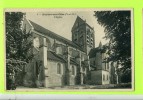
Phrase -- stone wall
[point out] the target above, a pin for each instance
(73, 75)
(106, 79)
(31, 79)
(52, 77)
(99, 77)
(96, 77)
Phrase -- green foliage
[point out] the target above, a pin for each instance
(117, 26)
(16, 45)
(16, 38)
(125, 76)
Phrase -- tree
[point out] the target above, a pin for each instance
(16, 38)
(16, 43)
(117, 26)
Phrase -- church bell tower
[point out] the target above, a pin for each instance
(83, 35)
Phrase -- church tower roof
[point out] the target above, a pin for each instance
(100, 45)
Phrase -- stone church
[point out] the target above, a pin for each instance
(58, 61)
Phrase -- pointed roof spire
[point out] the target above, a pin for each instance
(80, 18)
(100, 45)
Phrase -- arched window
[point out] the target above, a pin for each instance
(107, 77)
(82, 58)
(59, 50)
(58, 68)
(48, 44)
(103, 77)
(37, 69)
(36, 42)
(73, 70)
(94, 63)
(107, 66)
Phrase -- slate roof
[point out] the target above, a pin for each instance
(73, 61)
(83, 21)
(93, 52)
(53, 35)
(53, 56)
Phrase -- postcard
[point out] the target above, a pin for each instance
(69, 49)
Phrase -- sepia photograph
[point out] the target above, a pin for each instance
(69, 49)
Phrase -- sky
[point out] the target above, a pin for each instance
(61, 22)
